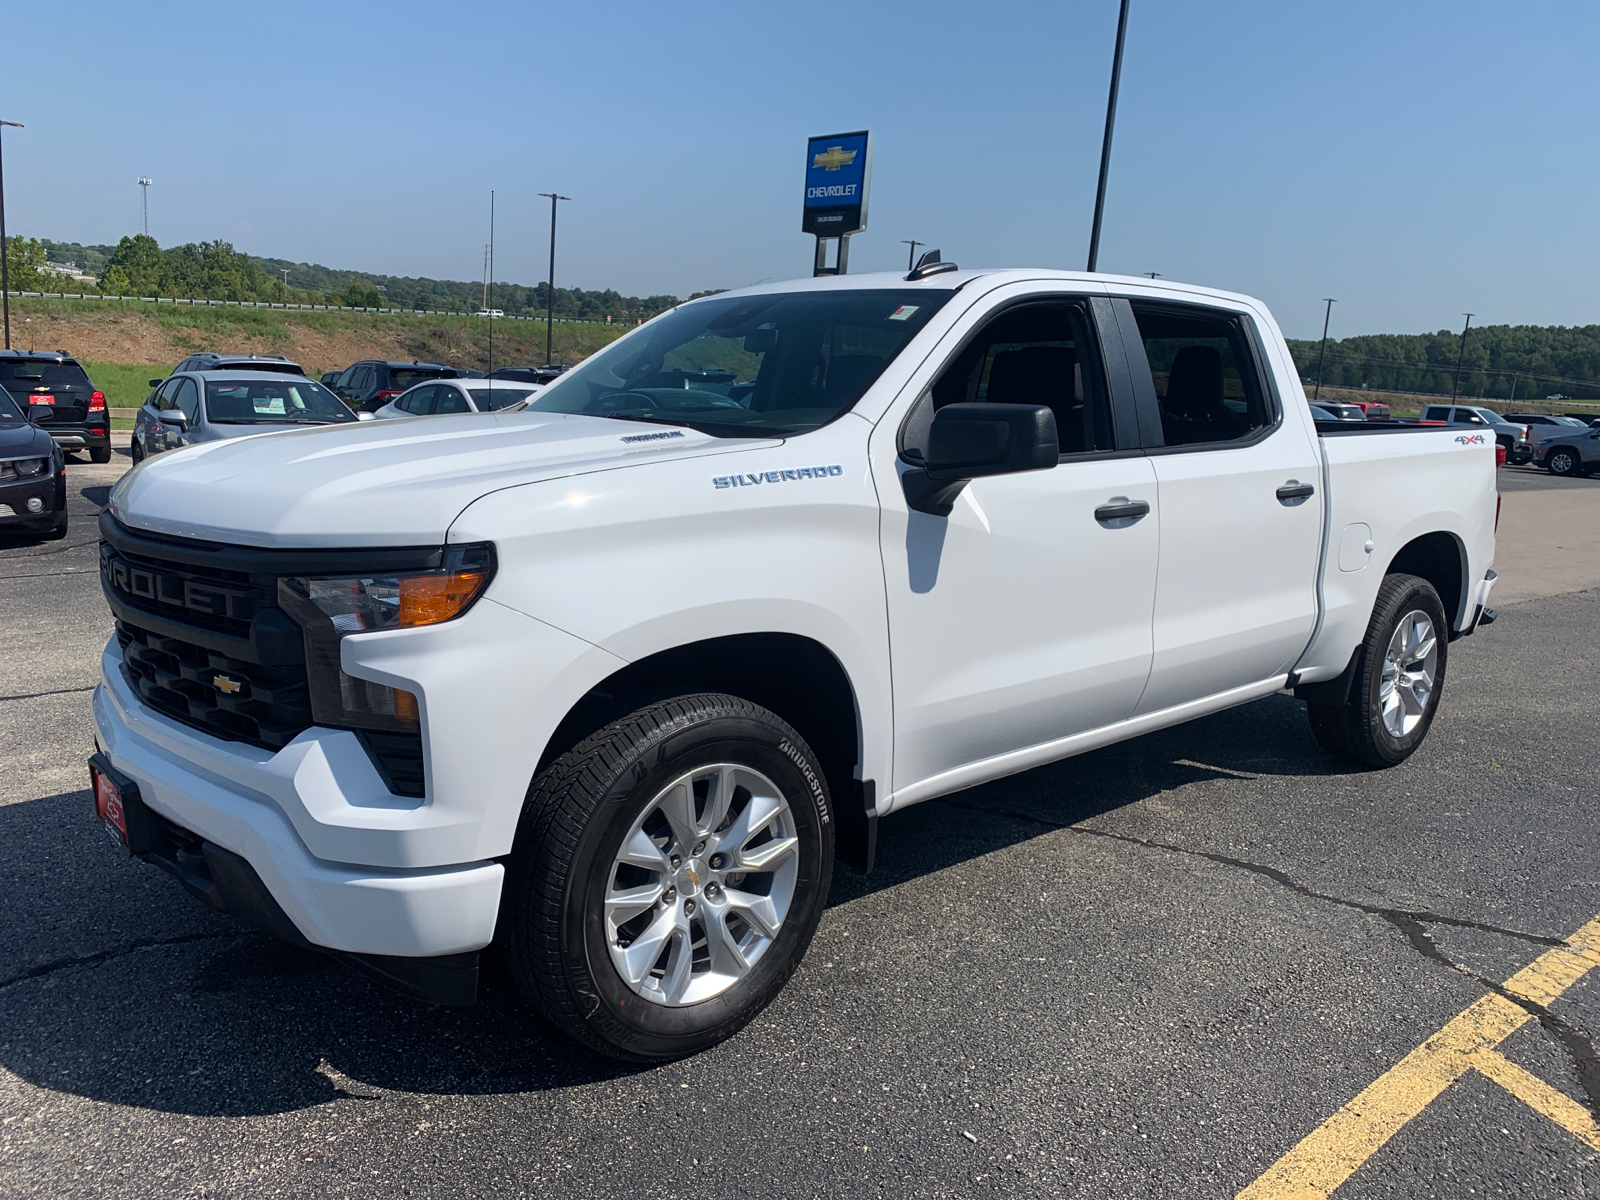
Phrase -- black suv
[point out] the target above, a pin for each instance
(239, 362)
(78, 418)
(368, 386)
(541, 375)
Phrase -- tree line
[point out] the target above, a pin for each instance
(138, 266)
(1500, 362)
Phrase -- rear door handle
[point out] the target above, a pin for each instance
(1294, 490)
(1121, 510)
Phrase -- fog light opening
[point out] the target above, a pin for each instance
(35, 505)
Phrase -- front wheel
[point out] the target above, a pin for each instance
(136, 451)
(1399, 675)
(667, 875)
(1562, 461)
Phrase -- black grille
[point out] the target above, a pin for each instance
(207, 644)
(223, 695)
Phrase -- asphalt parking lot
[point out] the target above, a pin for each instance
(1205, 961)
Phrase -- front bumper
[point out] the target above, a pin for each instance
(231, 796)
(14, 497)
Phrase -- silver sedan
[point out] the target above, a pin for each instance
(435, 396)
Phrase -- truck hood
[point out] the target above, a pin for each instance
(379, 483)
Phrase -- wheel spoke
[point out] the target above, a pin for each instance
(677, 805)
(758, 911)
(757, 815)
(726, 957)
(624, 906)
(719, 798)
(767, 855)
(679, 973)
(640, 851)
(646, 949)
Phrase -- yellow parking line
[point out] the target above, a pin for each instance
(1333, 1151)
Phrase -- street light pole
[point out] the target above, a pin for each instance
(1105, 147)
(5, 246)
(1322, 355)
(911, 259)
(1455, 388)
(550, 298)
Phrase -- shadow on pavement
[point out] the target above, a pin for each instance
(116, 986)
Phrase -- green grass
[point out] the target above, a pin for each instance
(125, 386)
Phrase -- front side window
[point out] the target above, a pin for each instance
(1206, 383)
(187, 400)
(449, 400)
(273, 402)
(164, 397)
(417, 401)
(8, 407)
(773, 365)
(1038, 352)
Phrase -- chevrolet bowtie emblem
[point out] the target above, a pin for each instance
(833, 158)
(227, 686)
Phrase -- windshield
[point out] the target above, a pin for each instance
(487, 399)
(270, 402)
(8, 409)
(1488, 414)
(774, 365)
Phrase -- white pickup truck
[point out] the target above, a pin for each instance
(609, 683)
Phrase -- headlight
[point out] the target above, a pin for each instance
(329, 608)
(23, 468)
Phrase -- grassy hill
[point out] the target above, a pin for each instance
(124, 340)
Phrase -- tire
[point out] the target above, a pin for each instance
(568, 950)
(1361, 731)
(1563, 461)
(136, 451)
(100, 454)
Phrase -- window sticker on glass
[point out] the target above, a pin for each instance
(268, 404)
(904, 312)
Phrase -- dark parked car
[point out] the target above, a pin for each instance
(368, 386)
(210, 406)
(33, 476)
(74, 413)
(274, 363)
(1571, 454)
(540, 375)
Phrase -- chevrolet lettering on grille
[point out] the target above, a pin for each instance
(160, 587)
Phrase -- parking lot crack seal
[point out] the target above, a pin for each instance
(95, 960)
(57, 692)
(1413, 924)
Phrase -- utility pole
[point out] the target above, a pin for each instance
(285, 273)
(1105, 147)
(550, 298)
(1455, 388)
(911, 259)
(5, 246)
(485, 301)
(144, 204)
(1322, 355)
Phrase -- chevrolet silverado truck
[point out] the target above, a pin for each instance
(609, 684)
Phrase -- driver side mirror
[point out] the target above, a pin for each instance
(364, 415)
(155, 383)
(39, 412)
(173, 416)
(970, 441)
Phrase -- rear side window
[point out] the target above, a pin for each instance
(22, 376)
(417, 401)
(450, 401)
(1205, 378)
(1435, 413)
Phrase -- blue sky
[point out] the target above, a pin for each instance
(1412, 159)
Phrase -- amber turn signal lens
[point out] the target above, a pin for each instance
(429, 599)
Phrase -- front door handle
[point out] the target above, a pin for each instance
(1121, 510)
(1294, 490)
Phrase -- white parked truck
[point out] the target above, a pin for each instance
(609, 683)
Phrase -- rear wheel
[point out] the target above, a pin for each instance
(136, 451)
(1399, 674)
(100, 454)
(667, 876)
(1562, 461)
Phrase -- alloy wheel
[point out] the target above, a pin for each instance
(1410, 666)
(701, 884)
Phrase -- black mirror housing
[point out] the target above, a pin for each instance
(155, 383)
(40, 412)
(970, 441)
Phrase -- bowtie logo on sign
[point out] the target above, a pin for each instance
(834, 157)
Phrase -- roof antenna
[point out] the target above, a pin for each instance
(930, 264)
